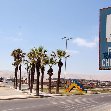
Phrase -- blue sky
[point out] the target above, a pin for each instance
(31, 23)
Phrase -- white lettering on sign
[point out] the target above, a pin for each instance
(106, 62)
(108, 28)
(103, 62)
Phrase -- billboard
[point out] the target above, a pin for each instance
(105, 39)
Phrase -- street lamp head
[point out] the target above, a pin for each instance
(68, 38)
(64, 38)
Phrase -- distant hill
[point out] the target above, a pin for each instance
(6, 74)
(102, 77)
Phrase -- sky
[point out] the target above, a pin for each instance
(31, 23)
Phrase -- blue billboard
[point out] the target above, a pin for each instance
(105, 39)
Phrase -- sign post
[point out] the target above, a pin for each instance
(105, 39)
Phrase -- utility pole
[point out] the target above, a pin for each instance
(66, 45)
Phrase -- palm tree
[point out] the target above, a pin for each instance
(42, 77)
(43, 63)
(15, 78)
(51, 61)
(18, 58)
(14, 54)
(60, 54)
(28, 69)
(50, 73)
(37, 55)
(30, 56)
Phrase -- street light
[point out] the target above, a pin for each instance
(66, 48)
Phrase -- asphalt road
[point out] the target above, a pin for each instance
(64, 103)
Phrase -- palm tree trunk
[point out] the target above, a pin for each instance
(16, 77)
(20, 77)
(42, 77)
(14, 82)
(58, 81)
(32, 80)
(50, 83)
(31, 85)
(37, 82)
(29, 79)
(32, 77)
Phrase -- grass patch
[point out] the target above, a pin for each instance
(63, 92)
(100, 91)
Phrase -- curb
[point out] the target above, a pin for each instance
(26, 97)
(17, 97)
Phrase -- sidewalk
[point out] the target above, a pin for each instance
(8, 93)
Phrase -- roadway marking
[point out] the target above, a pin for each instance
(85, 100)
(78, 101)
(62, 102)
(82, 105)
(17, 108)
(53, 102)
(73, 103)
(92, 101)
(101, 107)
(25, 107)
(69, 101)
(8, 110)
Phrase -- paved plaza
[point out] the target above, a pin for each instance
(8, 92)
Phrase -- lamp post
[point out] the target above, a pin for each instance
(66, 48)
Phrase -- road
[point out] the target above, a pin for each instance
(97, 102)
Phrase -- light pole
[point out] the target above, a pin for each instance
(66, 48)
